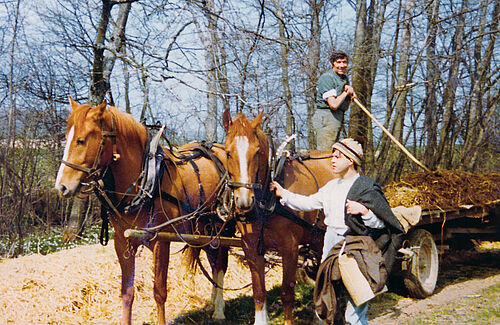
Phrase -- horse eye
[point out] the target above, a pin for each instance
(80, 141)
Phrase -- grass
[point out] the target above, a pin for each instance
(481, 308)
(241, 310)
(45, 241)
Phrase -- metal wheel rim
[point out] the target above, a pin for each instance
(426, 263)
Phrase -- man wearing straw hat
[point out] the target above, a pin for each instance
(344, 214)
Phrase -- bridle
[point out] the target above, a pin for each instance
(233, 185)
(95, 176)
(260, 185)
(95, 170)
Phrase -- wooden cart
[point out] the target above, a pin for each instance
(453, 228)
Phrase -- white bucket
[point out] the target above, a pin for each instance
(354, 281)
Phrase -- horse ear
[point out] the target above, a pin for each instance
(226, 119)
(258, 120)
(101, 108)
(73, 104)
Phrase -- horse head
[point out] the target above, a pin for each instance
(247, 152)
(90, 145)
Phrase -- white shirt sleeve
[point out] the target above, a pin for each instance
(330, 93)
(302, 202)
(372, 221)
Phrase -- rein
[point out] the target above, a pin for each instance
(204, 148)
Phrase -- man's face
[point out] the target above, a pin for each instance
(340, 163)
(340, 66)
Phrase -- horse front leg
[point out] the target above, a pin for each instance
(289, 256)
(161, 254)
(126, 257)
(250, 236)
(218, 261)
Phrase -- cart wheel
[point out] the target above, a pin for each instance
(421, 276)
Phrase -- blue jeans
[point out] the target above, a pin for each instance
(354, 315)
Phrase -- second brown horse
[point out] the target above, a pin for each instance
(248, 153)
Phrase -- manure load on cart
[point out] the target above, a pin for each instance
(444, 189)
(449, 206)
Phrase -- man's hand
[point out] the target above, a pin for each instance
(353, 207)
(275, 186)
(349, 91)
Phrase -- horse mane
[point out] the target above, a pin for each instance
(126, 124)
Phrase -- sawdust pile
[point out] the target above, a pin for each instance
(444, 189)
(82, 286)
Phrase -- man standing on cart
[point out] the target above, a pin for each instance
(334, 94)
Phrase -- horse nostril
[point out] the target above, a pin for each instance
(62, 188)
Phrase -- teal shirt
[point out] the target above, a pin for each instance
(328, 81)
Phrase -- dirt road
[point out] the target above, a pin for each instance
(468, 292)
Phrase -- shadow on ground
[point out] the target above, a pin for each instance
(455, 267)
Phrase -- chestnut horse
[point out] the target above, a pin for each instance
(103, 138)
(248, 168)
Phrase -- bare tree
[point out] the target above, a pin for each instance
(105, 55)
(369, 24)
(287, 94)
(312, 64)
(104, 62)
(447, 133)
(480, 115)
(431, 87)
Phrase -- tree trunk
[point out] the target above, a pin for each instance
(103, 64)
(6, 196)
(369, 23)
(222, 73)
(393, 159)
(446, 136)
(287, 94)
(477, 119)
(76, 218)
(312, 67)
(211, 43)
(431, 87)
(402, 80)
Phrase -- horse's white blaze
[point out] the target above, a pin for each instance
(69, 139)
(218, 297)
(242, 146)
(261, 316)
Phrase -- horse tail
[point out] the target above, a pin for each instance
(191, 258)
